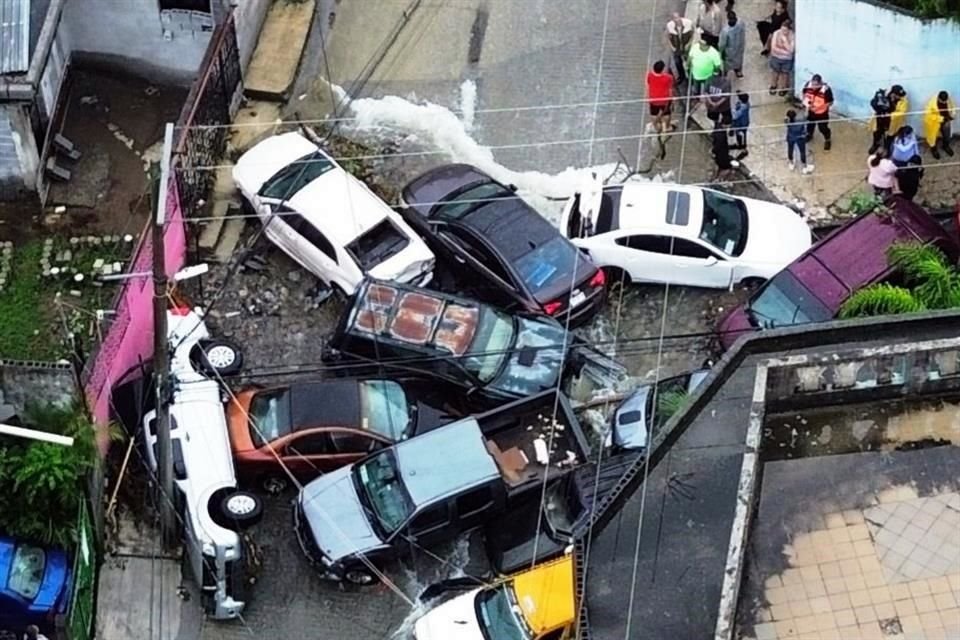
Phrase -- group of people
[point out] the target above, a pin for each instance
(703, 53)
(894, 161)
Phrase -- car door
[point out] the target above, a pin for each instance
(309, 453)
(664, 258)
(306, 244)
(350, 445)
(474, 507)
(431, 525)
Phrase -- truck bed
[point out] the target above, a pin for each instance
(512, 432)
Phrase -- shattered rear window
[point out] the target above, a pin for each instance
(377, 244)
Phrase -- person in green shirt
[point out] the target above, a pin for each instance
(704, 61)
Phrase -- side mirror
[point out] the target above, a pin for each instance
(512, 187)
(711, 261)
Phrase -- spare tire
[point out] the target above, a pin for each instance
(220, 357)
(240, 509)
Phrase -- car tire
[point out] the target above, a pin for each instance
(615, 276)
(275, 484)
(220, 357)
(360, 576)
(241, 509)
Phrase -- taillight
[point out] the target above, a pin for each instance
(552, 307)
(598, 279)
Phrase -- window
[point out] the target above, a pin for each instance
(785, 301)
(269, 416)
(474, 502)
(724, 222)
(678, 208)
(348, 442)
(309, 444)
(667, 246)
(284, 184)
(479, 253)
(377, 244)
(383, 489)
(313, 235)
(470, 198)
(434, 518)
(26, 571)
(385, 409)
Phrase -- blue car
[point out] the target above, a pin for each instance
(33, 585)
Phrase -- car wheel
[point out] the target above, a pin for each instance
(221, 357)
(241, 509)
(275, 484)
(360, 576)
(616, 276)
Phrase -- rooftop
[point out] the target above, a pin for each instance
(673, 555)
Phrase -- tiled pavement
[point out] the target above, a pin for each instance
(888, 572)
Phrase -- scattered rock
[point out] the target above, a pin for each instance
(294, 276)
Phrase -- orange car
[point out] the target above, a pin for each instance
(315, 427)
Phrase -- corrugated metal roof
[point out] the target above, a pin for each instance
(14, 36)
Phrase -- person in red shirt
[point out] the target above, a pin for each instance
(659, 95)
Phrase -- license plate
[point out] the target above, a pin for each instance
(577, 298)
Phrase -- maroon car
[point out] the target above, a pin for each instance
(815, 285)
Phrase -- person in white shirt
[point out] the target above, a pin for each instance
(33, 633)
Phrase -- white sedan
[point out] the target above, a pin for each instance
(326, 219)
(685, 235)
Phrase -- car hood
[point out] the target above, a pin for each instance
(777, 236)
(263, 160)
(337, 518)
(455, 618)
(424, 192)
(521, 378)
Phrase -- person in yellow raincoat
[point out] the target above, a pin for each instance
(898, 117)
(937, 120)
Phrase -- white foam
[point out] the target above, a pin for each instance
(438, 128)
(468, 103)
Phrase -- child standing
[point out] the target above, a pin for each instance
(797, 139)
(741, 122)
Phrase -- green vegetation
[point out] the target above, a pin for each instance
(934, 283)
(25, 322)
(930, 9)
(861, 203)
(42, 484)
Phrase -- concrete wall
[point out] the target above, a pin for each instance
(132, 35)
(21, 383)
(858, 47)
(19, 155)
(249, 16)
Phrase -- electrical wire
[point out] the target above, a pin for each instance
(513, 109)
(704, 184)
(528, 145)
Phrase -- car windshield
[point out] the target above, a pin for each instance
(26, 572)
(385, 408)
(288, 181)
(548, 265)
(383, 488)
(783, 302)
(499, 615)
(270, 416)
(490, 346)
(458, 205)
(377, 244)
(724, 222)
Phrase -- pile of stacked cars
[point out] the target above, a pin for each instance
(444, 410)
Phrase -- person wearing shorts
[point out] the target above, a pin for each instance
(660, 94)
(782, 47)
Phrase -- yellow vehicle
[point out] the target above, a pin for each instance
(537, 604)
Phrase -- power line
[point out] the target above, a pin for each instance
(512, 109)
(704, 184)
(528, 145)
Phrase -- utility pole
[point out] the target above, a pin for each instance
(161, 350)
